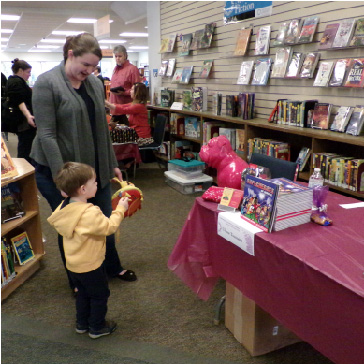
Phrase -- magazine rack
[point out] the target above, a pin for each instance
(30, 223)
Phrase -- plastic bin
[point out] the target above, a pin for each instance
(188, 186)
(188, 170)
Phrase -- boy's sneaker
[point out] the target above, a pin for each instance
(81, 329)
(110, 326)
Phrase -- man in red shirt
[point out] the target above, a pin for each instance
(125, 74)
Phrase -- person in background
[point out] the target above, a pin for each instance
(68, 103)
(137, 111)
(98, 74)
(20, 96)
(84, 229)
(4, 82)
(126, 75)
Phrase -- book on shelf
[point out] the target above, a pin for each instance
(321, 115)
(177, 76)
(210, 129)
(328, 36)
(308, 29)
(246, 104)
(163, 69)
(230, 134)
(171, 41)
(281, 34)
(206, 68)
(303, 157)
(242, 41)
(22, 248)
(192, 127)
(173, 122)
(7, 262)
(232, 104)
(186, 74)
(281, 60)
(186, 42)
(240, 139)
(199, 98)
(356, 122)
(339, 72)
(324, 73)
(358, 36)
(8, 169)
(196, 40)
(342, 118)
(261, 71)
(355, 76)
(259, 202)
(230, 199)
(245, 73)
(262, 40)
(216, 103)
(336, 170)
(357, 175)
(157, 95)
(294, 65)
(170, 67)
(309, 65)
(207, 35)
(344, 33)
(187, 100)
(293, 31)
(167, 97)
(11, 203)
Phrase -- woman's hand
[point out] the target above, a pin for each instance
(30, 120)
(109, 105)
(118, 174)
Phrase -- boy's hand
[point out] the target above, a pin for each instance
(124, 202)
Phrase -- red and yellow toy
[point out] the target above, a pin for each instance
(129, 190)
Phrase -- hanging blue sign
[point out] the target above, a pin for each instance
(236, 11)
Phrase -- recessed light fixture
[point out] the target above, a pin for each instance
(46, 46)
(134, 34)
(67, 32)
(49, 40)
(39, 51)
(81, 20)
(112, 41)
(6, 31)
(10, 17)
(139, 47)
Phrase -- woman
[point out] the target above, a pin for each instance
(20, 97)
(68, 103)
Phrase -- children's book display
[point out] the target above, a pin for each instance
(192, 127)
(167, 44)
(356, 122)
(308, 29)
(245, 73)
(321, 115)
(294, 65)
(328, 36)
(206, 68)
(339, 72)
(167, 98)
(187, 100)
(303, 157)
(309, 65)
(170, 67)
(186, 43)
(22, 248)
(11, 203)
(281, 34)
(342, 118)
(262, 40)
(230, 200)
(355, 76)
(196, 40)
(186, 74)
(281, 61)
(344, 33)
(207, 35)
(358, 37)
(199, 98)
(293, 31)
(177, 76)
(242, 41)
(259, 202)
(324, 73)
(261, 71)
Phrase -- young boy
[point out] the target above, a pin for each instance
(84, 229)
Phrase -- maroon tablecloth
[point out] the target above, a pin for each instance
(309, 277)
(127, 150)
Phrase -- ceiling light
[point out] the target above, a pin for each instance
(134, 34)
(6, 31)
(112, 41)
(39, 51)
(81, 20)
(10, 17)
(105, 47)
(111, 21)
(5, 39)
(53, 40)
(145, 27)
(47, 46)
(139, 47)
(67, 32)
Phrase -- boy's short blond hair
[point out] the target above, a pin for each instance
(72, 176)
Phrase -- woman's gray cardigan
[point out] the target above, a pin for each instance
(63, 127)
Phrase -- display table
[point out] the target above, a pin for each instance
(127, 150)
(310, 278)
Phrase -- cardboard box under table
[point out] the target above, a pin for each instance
(253, 327)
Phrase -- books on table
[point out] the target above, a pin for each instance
(321, 115)
(206, 68)
(308, 29)
(282, 57)
(261, 71)
(294, 65)
(262, 40)
(339, 72)
(186, 42)
(242, 41)
(355, 76)
(356, 122)
(328, 36)
(186, 74)
(342, 118)
(230, 200)
(344, 33)
(358, 36)
(309, 65)
(245, 73)
(324, 73)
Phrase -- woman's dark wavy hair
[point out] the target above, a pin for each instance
(81, 44)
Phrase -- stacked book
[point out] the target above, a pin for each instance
(293, 205)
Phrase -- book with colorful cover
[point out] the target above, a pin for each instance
(309, 65)
(358, 36)
(171, 41)
(308, 29)
(293, 31)
(342, 118)
(356, 122)
(245, 73)
(186, 74)
(177, 76)
(230, 200)
(199, 98)
(339, 72)
(281, 61)
(206, 39)
(281, 34)
(196, 40)
(170, 67)
(187, 100)
(11, 203)
(328, 36)
(163, 69)
(164, 45)
(186, 42)
(321, 115)
(240, 138)
(22, 248)
(303, 157)
(324, 73)
(8, 169)
(262, 40)
(344, 33)
(242, 41)
(355, 76)
(192, 127)
(206, 68)
(261, 71)
(294, 65)
(259, 201)
(216, 103)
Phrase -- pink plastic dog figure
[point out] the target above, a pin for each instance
(219, 154)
